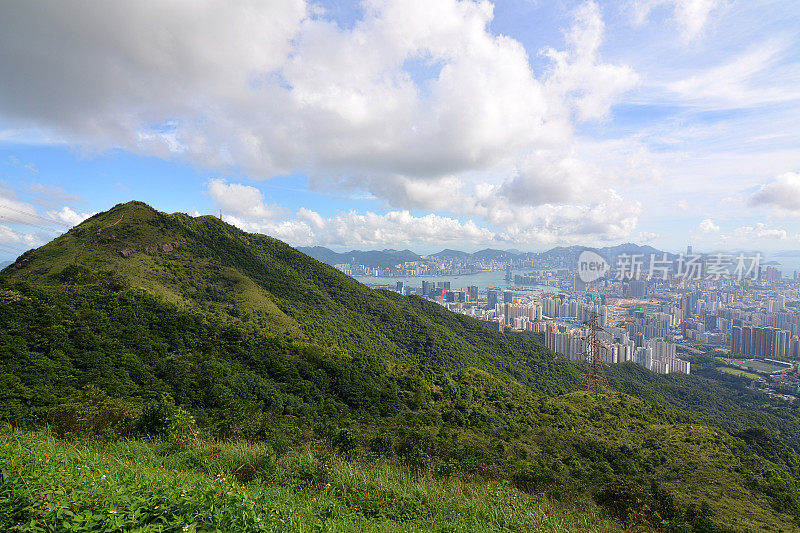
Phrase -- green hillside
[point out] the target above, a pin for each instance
(260, 281)
(138, 324)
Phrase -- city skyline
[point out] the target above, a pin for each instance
(421, 125)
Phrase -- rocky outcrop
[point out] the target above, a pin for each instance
(163, 247)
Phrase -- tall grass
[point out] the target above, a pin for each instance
(53, 485)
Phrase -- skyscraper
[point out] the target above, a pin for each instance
(426, 288)
(472, 292)
(508, 297)
(747, 340)
(491, 299)
(736, 340)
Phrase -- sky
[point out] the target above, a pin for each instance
(418, 124)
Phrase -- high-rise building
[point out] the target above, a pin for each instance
(781, 344)
(426, 288)
(758, 342)
(472, 292)
(736, 340)
(508, 297)
(637, 288)
(491, 299)
(794, 347)
(747, 340)
(400, 287)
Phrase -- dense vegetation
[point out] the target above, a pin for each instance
(715, 397)
(188, 487)
(236, 337)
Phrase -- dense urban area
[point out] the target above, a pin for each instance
(655, 309)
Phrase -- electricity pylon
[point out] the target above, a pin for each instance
(594, 376)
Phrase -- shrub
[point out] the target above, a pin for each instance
(531, 479)
(164, 420)
(381, 445)
(346, 441)
(92, 412)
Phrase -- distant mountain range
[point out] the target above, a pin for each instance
(374, 258)
(389, 258)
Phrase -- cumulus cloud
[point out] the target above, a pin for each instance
(67, 216)
(759, 231)
(783, 194)
(548, 224)
(23, 226)
(368, 229)
(578, 73)
(271, 87)
(708, 226)
(242, 200)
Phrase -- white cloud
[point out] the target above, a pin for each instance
(242, 200)
(268, 87)
(708, 226)
(51, 196)
(15, 242)
(68, 216)
(578, 74)
(740, 82)
(691, 16)
(30, 167)
(368, 229)
(8, 235)
(783, 194)
(22, 226)
(758, 232)
(15, 211)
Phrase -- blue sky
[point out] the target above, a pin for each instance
(409, 124)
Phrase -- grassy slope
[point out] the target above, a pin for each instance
(162, 487)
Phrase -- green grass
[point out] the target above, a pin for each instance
(759, 366)
(737, 372)
(52, 485)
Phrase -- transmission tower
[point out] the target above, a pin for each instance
(594, 376)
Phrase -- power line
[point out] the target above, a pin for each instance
(12, 247)
(34, 215)
(27, 223)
